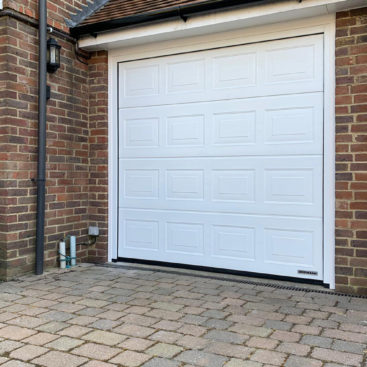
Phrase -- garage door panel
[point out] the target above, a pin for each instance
(271, 68)
(237, 185)
(261, 126)
(221, 158)
(248, 243)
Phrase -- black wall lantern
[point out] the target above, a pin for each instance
(53, 55)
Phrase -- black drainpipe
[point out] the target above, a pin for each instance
(41, 173)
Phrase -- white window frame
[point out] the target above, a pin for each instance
(293, 28)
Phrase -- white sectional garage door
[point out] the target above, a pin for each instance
(221, 158)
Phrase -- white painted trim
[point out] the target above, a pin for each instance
(250, 15)
(293, 28)
(329, 154)
(112, 161)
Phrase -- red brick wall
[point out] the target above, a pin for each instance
(98, 152)
(57, 10)
(351, 151)
(76, 195)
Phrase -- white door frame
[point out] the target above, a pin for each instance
(294, 28)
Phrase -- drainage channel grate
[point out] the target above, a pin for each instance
(243, 281)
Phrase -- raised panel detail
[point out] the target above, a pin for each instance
(235, 242)
(141, 81)
(289, 247)
(234, 128)
(229, 185)
(141, 184)
(237, 70)
(141, 234)
(186, 76)
(289, 186)
(185, 130)
(293, 125)
(185, 184)
(141, 132)
(185, 238)
(290, 64)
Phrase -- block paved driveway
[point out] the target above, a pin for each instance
(142, 316)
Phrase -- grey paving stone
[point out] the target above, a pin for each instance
(199, 358)
(351, 347)
(161, 362)
(302, 362)
(57, 316)
(217, 324)
(225, 336)
(278, 325)
(316, 341)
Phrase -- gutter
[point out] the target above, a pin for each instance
(41, 167)
(182, 12)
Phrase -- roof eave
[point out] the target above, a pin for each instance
(182, 12)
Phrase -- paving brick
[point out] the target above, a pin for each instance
(229, 350)
(294, 348)
(267, 356)
(15, 363)
(59, 359)
(225, 336)
(278, 325)
(27, 352)
(339, 334)
(75, 331)
(27, 321)
(104, 324)
(52, 327)
(317, 341)
(136, 344)
(57, 316)
(165, 336)
(164, 314)
(161, 362)
(93, 303)
(139, 320)
(64, 343)
(262, 343)
(130, 359)
(192, 342)
(199, 358)
(240, 363)
(167, 325)
(336, 356)
(348, 347)
(167, 306)
(193, 319)
(134, 330)
(306, 329)
(193, 330)
(98, 364)
(16, 332)
(96, 351)
(104, 337)
(82, 320)
(302, 362)
(286, 336)
(164, 350)
(251, 330)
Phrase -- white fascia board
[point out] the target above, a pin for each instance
(219, 21)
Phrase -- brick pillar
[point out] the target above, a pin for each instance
(98, 152)
(351, 151)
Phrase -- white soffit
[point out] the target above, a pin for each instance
(219, 21)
